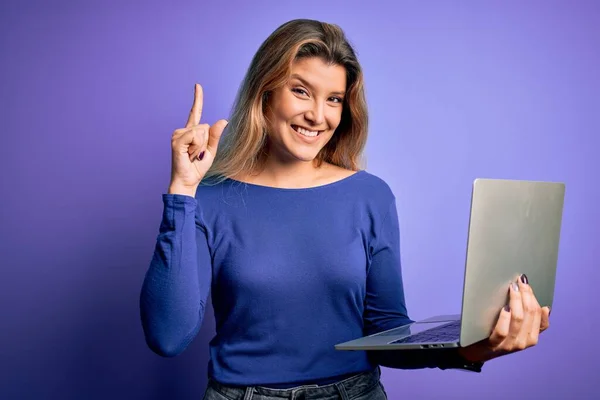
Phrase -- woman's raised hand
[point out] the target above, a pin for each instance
(193, 149)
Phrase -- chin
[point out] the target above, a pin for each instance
(303, 156)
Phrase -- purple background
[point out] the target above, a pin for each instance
(92, 91)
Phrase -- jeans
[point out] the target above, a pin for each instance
(364, 386)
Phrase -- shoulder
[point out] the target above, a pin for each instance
(216, 190)
(373, 194)
(215, 193)
(375, 187)
(216, 198)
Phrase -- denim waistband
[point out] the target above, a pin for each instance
(345, 389)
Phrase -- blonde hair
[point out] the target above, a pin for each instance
(242, 145)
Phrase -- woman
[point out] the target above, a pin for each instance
(298, 246)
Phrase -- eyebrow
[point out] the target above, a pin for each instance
(304, 82)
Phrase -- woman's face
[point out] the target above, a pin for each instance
(304, 113)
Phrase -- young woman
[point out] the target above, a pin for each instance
(298, 246)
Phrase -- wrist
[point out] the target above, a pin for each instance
(182, 190)
(467, 361)
(477, 353)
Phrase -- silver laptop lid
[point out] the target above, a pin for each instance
(514, 228)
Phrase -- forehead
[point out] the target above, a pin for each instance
(320, 75)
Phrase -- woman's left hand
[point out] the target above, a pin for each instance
(518, 328)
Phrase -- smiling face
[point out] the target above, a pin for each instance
(305, 112)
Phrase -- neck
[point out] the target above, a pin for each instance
(298, 174)
(280, 173)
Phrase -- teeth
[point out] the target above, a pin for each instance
(305, 132)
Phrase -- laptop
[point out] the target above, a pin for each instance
(514, 228)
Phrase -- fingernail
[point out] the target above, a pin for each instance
(507, 308)
(524, 279)
(201, 156)
(515, 286)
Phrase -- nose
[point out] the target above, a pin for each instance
(316, 115)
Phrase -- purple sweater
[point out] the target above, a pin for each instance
(292, 272)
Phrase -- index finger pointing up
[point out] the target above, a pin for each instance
(196, 112)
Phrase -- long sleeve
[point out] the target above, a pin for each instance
(386, 307)
(178, 280)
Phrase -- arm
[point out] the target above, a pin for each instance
(177, 283)
(385, 306)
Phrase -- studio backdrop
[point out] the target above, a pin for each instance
(91, 92)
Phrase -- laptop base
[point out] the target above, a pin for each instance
(407, 337)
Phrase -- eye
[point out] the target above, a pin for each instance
(339, 99)
(298, 90)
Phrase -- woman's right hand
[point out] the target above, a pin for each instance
(193, 149)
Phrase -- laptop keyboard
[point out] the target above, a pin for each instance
(449, 332)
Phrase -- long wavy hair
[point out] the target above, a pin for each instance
(243, 145)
